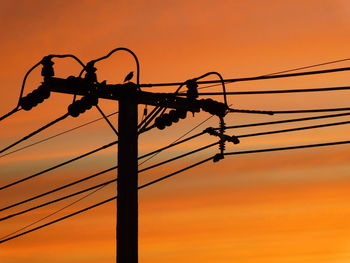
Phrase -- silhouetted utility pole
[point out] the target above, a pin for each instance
(129, 96)
(127, 202)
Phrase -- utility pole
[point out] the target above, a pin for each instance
(127, 202)
(129, 96)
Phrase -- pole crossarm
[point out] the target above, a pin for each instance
(79, 86)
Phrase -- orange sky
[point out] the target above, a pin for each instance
(268, 207)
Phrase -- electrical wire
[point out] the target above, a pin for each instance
(3, 240)
(179, 156)
(270, 91)
(222, 84)
(291, 70)
(287, 121)
(58, 188)
(95, 186)
(21, 91)
(38, 64)
(293, 129)
(264, 77)
(178, 139)
(310, 111)
(9, 113)
(203, 76)
(56, 135)
(113, 51)
(24, 82)
(107, 120)
(174, 173)
(289, 148)
(59, 165)
(53, 213)
(265, 149)
(176, 142)
(57, 220)
(57, 200)
(100, 173)
(36, 132)
(156, 111)
(311, 66)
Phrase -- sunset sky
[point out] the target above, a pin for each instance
(290, 206)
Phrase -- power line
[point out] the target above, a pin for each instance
(177, 140)
(271, 91)
(59, 165)
(57, 200)
(106, 119)
(294, 129)
(87, 194)
(311, 66)
(174, 173)
(289, 148)
(289, 70)
(101, 203)
(58, 188)
(286, 121)
(92, 62)
(9, 113)
(53, 213)
(252, 78)
(38, 64)
(292, 111)
(179, 156)
(192, 137)
(101, 184)
(310, 111)
(56, 135)
(36, 132)
(58, 220)
(99, 173)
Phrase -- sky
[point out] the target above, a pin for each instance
(289, 206)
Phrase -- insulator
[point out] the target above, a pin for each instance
(158, 122)
(73, 110)
(90, 75)
(80, 105)
(47, 71)
(86, 102)
(93, 100)
(235, 139)
(217, 157)
(222, 135)
(25, 104)
(181, 113)
(214, 107)
(192, 89)
(37, 97)
(166, 119)
(174, 116)
(44, 92)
